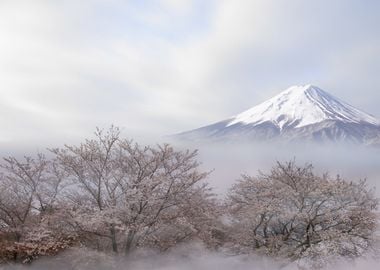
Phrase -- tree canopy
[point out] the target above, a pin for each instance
(292, 212)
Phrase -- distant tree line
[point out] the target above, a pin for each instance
(114, 195)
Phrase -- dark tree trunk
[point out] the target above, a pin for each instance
(113, 238)
(129, 241)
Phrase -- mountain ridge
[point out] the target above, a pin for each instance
(302, 112)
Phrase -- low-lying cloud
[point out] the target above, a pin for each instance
(186, 257)
(229, 160)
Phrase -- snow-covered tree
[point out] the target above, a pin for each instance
(292, 212)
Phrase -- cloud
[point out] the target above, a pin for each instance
(159, 68)
(182, 258)
(228, 161)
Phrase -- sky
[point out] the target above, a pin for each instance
(161, 67)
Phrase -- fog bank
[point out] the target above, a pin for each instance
(187, 257)
(229, 161)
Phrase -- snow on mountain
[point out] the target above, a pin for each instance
(299, 112)
(302, 106)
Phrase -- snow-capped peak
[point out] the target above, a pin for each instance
(300, 106)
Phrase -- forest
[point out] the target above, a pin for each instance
(112, 195)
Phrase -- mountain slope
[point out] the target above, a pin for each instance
(298, 113)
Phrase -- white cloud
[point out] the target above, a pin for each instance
(172, 65)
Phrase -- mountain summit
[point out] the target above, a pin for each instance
(303, 112)
(299, 106)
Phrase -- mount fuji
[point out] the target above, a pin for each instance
(299, 113)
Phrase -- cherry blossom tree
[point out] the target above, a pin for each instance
(135, 195)
(107, 193)
(293, 213)
(30, 191)
(28, 188)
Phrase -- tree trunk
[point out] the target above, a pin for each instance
(113, 238)
(129, 242)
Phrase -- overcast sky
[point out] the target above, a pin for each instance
(161, 67)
